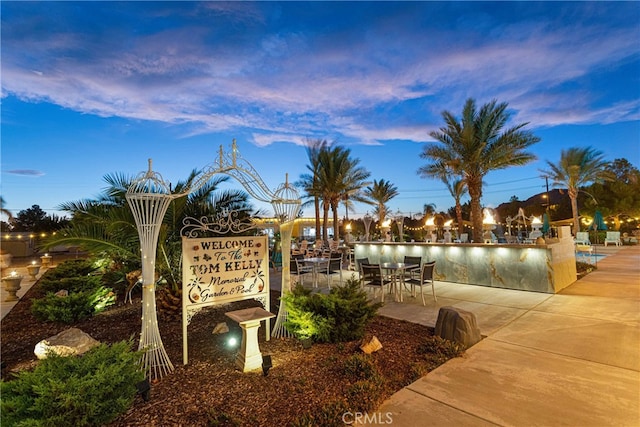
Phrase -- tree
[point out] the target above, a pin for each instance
(381, 192)
(309, 182)
(339, 174)
(105, 225)
(475, 146)
(619, 198)
(577, 167)
(35, 219)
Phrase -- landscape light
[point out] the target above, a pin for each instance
(144, 389)
(266, 364)
(232, 342)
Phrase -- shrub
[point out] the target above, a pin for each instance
(70, 268)
(71, 284)
(359, 367)
(73, 307)
(88, 390)
(87, 295)
(340, 316)
(436, 351)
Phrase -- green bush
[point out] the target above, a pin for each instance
(436, 351)
(71, 284)
(359, 367)
(73, 307)
(88, 390)
(340, 316)
(87, 294)
(71, 268)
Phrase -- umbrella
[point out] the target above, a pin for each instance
(598, 223)
(545, 224)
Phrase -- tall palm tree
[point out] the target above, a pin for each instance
(339, 174)
(309, 182)
(577, 167)
(381, 192)
(475, 146)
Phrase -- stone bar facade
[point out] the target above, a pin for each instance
(540, 268)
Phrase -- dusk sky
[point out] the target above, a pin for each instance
(97, 88)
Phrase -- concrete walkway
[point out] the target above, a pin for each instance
(568, 359)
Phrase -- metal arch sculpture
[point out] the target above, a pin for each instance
(149, 197)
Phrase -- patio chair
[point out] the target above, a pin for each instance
(334, 266)
(582, 238)
(298, 269)
(372, 277)
(412, 272)
(613, 237)
(426, 279)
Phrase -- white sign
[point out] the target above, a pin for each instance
(219, 270)
(224, 269)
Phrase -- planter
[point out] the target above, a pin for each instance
(12, 286)
(33, 270)
(46, 260)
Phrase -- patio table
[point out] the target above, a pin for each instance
(396, 272)
(316, 263)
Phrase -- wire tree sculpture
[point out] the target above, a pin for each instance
(149, 197)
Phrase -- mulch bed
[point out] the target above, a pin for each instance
(301, 381)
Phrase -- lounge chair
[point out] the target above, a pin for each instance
(613, 237)
(582, 238)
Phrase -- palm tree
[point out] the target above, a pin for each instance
(381, 192)
(476, 146)
(456, 186)
(6, 212)
(458, 189)
(309, 182)
(106, 225)
(577, 168)
(338, 175)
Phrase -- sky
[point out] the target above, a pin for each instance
(91, 89)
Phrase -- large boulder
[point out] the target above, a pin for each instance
(67, 343)
(458, 325)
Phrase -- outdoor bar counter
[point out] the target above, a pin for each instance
(539, 268)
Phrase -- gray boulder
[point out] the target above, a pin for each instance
(458, 325)
(67, 343)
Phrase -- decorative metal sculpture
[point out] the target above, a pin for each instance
(149, 197)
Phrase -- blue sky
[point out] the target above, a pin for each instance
(95, 88)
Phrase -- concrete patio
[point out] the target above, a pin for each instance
(567, 359)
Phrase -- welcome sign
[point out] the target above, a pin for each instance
(224, 269)
(219, 270)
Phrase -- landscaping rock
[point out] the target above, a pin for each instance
(67, 343)
(458, 325)
(371, 346)
(221, 328)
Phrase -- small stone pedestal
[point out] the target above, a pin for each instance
(11, 284)
(249, 357)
